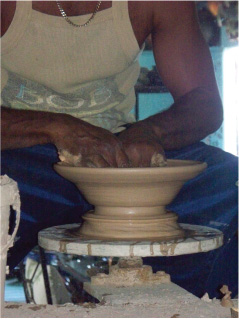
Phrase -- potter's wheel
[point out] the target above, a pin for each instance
(197, 239)
(130, 276)
(130, 221)
(130, 203)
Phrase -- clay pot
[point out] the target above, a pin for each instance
(130, 202)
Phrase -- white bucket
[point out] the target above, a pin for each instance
(9, 197)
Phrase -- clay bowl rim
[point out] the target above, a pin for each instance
(189, 164)
(170, 173)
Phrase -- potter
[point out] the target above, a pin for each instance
(69, 90)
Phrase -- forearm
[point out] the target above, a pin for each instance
(22, 128)
(190, 119)
(77, 142)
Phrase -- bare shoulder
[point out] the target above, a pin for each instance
(171, 13)
(7, 13)
(141, 16)
(150, 16)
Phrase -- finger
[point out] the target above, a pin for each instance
(96, 161)
(144, 159)
(133, 155)
(122, 159)
(88, 163)
(146, 155)
(115, 155)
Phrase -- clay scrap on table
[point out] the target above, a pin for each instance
(226, 300)
(130, 272)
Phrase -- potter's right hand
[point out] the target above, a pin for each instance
(82, 144)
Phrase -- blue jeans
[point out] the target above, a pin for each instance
(210, 199)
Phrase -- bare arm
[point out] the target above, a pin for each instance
(24, 128)
(97, 147)
(184, 63)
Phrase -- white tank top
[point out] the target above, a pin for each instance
(90, 73)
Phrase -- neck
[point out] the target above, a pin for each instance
(72, 8)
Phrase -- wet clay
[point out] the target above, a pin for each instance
(68, 159)
(143, 228)
(130, 202)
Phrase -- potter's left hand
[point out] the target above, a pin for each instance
(142, 146)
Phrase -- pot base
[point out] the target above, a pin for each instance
(163, 226)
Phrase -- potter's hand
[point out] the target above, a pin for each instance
(142, 146)
(82, 144)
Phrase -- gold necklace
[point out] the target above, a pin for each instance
(74, 24)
